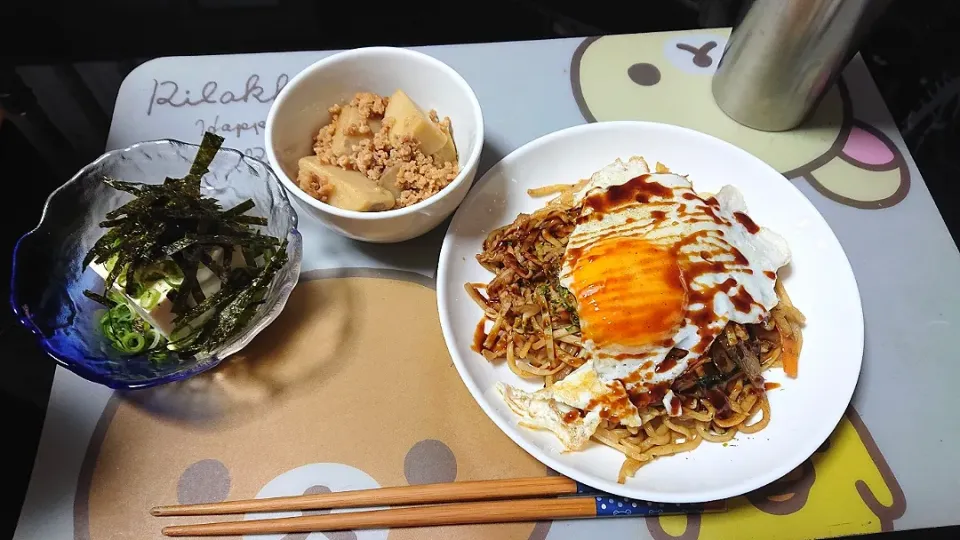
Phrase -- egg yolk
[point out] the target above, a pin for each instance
(629, 292)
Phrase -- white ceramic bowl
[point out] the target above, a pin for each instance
(301, 109)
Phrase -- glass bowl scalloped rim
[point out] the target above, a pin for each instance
(295, 247)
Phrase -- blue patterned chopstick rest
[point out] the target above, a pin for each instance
(613, 505)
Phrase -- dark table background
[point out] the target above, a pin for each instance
(61, 67)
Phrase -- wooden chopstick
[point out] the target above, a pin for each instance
(414, 516)
(473, 505)
(515, 488)
(463, 513)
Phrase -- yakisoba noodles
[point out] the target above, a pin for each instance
(530, 322)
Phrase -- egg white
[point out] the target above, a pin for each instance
(764, 250)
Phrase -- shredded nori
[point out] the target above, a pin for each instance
(173, 220)
(233, 307)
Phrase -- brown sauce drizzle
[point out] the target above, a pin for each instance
(738, 257)
(742, 301)
(613, 405)
(720, 403)
(592, 216)
(641, 400)
(651, 393)
(634, 190)
(657, 391)
(747, 223)
(636, 376)
(479, 336)
(771, 385)
(675, 406)
(572, 416)
(640, 190)
(666, 365)
(709, 211)
(769, 274)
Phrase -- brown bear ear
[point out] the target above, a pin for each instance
(691, 530)
(430, 462)
(825, 446)
(204, 481)
(332, 535)
(786, 495)
(315, 490)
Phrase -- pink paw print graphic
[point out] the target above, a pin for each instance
(665, 77)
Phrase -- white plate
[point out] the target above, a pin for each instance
(819, 279)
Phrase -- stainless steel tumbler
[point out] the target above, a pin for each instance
(784, 55)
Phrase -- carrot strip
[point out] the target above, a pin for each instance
(791, 353)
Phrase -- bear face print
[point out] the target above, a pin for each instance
(387, 409)
(665, 77)
(845, 488)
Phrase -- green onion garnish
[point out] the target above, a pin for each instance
(164, 235)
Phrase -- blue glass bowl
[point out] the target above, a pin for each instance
(49, 278)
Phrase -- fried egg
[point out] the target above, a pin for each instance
(653, 266)
(573, 407)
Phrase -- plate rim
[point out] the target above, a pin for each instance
(830, 421)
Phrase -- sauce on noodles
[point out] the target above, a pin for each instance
(538, 332)
(479, 336)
